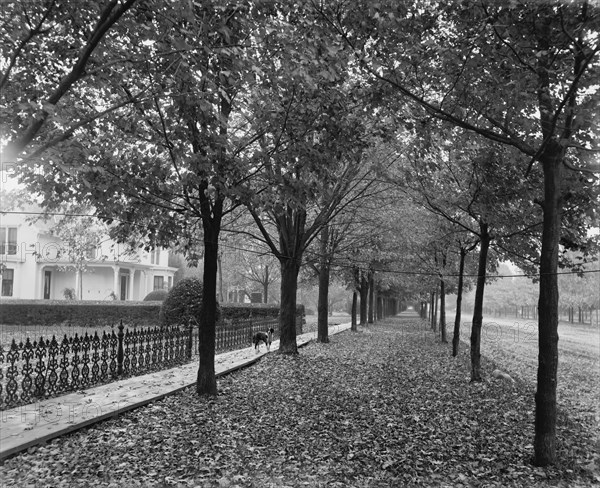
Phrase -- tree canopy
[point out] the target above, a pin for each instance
(171, 118)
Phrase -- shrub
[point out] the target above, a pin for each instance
(70, 294)
(156, 296)
(183, 303)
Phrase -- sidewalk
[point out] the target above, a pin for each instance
(29, 425)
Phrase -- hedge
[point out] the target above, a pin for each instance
(84, 313)
(103, 313)
(240, 311)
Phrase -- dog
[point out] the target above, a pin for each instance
(266, 337)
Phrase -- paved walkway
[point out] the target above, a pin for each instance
(29, 425)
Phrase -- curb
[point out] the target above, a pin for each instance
(70, 427)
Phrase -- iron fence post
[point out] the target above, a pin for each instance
(120, 336)
(190, 341)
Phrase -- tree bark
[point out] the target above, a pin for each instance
(323, 301)
(353, 325)
(287, 316)
(266, 285)
(443, 311)
(364, 294)
(545, 397)
(431, 308)
(434, 311)
(459, 293)
(371, 296)
(206, 382)
(220, 268)
(484, 242)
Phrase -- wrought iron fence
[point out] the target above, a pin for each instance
(37, 369)
(238, 334)
(40, 369)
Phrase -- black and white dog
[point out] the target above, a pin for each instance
(266, 337)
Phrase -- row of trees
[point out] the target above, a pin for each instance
(359, 137)
(513, 294)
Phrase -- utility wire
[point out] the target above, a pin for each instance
(342, 265)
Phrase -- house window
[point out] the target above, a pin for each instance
(155, 256)
(169, 282)
(8, 240)
(159, 282)
(8, 276)
(91, 252)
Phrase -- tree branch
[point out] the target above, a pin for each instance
(107, 19)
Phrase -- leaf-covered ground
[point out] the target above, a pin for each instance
(387, 406)
(513, 344)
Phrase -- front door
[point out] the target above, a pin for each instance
(47, 283)
(124, 280)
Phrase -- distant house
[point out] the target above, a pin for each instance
(34, 265)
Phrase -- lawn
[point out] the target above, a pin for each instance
(513, 343)
(21, 332)
(385, 407)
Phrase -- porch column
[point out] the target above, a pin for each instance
(131, 276)
(142, 286)
(116, 287)
(78, 284)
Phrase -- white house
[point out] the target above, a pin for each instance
(34, 265)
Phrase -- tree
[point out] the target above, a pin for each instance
(247, 264)
(475, 189)
(80, 237)
(580, 290)
(309, 154)
(540, 61)
(169, 179)
(351, 229)
(465, 246)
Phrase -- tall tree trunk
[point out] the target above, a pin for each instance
(545, 397)
(323, 301)
(220, 267)
(371, 295)
(431, 310)
(459, 293)
(287, 316)
(364, 295)
(206, 382)
(443, 311)
(434, 311)
(266, 285)
(484, 243)
(353, 325)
